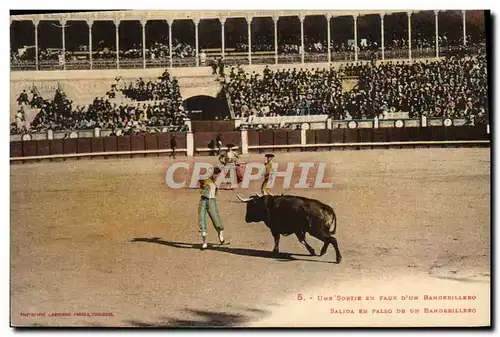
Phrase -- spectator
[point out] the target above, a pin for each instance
(23, 98)
(173, 145)
(220, 65)
(214, 67)
(218, 142)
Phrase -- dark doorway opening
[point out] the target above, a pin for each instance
(207, 107)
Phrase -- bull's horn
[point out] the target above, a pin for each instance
(242, 199)
(258, 194)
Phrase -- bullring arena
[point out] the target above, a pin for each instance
(99, 239)
(109, 236)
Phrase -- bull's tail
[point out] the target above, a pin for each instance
(333, 224)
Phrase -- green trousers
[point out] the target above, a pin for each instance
(209, 205)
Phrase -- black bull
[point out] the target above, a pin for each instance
(289, 214)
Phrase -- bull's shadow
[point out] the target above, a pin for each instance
(283, 257)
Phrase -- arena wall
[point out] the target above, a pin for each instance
(202, 143)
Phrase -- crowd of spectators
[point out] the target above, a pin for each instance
(282, 92)
(165, 88)
(28, 53)
(157, 50)
(391, 44)
(152, 105)
(160, 49)
(452, 87)
(318, 46)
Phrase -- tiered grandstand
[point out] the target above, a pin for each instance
(317, 71)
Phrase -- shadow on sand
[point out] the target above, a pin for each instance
(461, 279)
(283, 257)
(204, 318)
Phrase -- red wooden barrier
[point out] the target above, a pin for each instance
(322, 136)
(266, 137)
(212, 126)
(477, 132)
(364, 135)
(29, 148)
(413, 134)
(457, 133)
(151, 142)
(350, 135)
(438, 133)
(69, 145)
(280, 137)
(164, 140)
(293, 137)
(231, 137)
(56, 146)
(110, 144)
(181, 139)
(16, 149)
(84, 145)
(253, 137)
(123, 143)
(405, 134)
(394, 134)
(97, 144)
(380, 135)
(208, 139)
(337, 135)
(137, 143)
(43, 147)
(205, 140)
(311, 137)
(425, 134)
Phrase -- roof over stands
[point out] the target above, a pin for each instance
(194, 15)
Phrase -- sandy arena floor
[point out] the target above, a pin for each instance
(109, 236)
